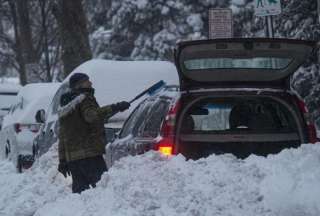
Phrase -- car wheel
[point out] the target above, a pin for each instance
(7, 149)
(34, 151)
(7, 153)
(19, 165)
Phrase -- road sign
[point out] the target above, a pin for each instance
(220, 23)
(267, 7)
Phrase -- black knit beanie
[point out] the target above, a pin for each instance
(77, 78)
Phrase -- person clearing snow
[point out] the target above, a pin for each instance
(81, 133)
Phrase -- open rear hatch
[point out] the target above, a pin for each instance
(240, 62)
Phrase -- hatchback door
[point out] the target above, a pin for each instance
(242, 62)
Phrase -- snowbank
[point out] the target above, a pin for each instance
(284, 184)
(22, 194)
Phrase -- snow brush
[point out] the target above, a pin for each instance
(151, 90)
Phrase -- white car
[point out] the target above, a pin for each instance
(8, 94)
(19, 125)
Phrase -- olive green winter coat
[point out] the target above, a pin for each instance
(81, 128)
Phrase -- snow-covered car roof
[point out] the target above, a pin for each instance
(115, 81)
(30, 99)
(34, 91)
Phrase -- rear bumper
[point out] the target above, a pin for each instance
(26, 161)
(25, 142)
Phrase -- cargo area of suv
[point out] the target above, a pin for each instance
(236, 98)
(238, 124)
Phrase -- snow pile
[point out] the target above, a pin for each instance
(284, 184)
(23, 194)
(292, 187)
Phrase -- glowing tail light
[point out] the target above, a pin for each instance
(166, 143)
(165, 150)
(165, 147)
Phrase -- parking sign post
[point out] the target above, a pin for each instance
(268, 8)
(269, 28)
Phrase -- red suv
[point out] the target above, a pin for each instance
(234, 97)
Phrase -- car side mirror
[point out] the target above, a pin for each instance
(111, 134)
(40, 116)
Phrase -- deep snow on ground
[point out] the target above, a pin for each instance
(286, 184)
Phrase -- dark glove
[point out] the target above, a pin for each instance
(121, 106)
(63, 169)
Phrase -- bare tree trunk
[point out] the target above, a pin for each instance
(73, 33)
(28, 52)
(17, 47)
(45, 35)
(319, 10)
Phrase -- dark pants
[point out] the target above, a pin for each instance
(86, 172)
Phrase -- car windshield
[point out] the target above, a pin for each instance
(243, 63)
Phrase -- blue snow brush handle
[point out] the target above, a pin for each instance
(151, 90)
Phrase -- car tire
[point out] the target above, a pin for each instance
(34, 150)
(19, 165)
(7, 151)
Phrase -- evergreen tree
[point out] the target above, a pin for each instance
(150, 29)
(299, 20)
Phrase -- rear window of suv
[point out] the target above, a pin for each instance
(136, 119)
(146, 119)
(228, 115)
(154, 121)
(243, 63)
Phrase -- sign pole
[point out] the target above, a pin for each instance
(266, 29)
(270, 27)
